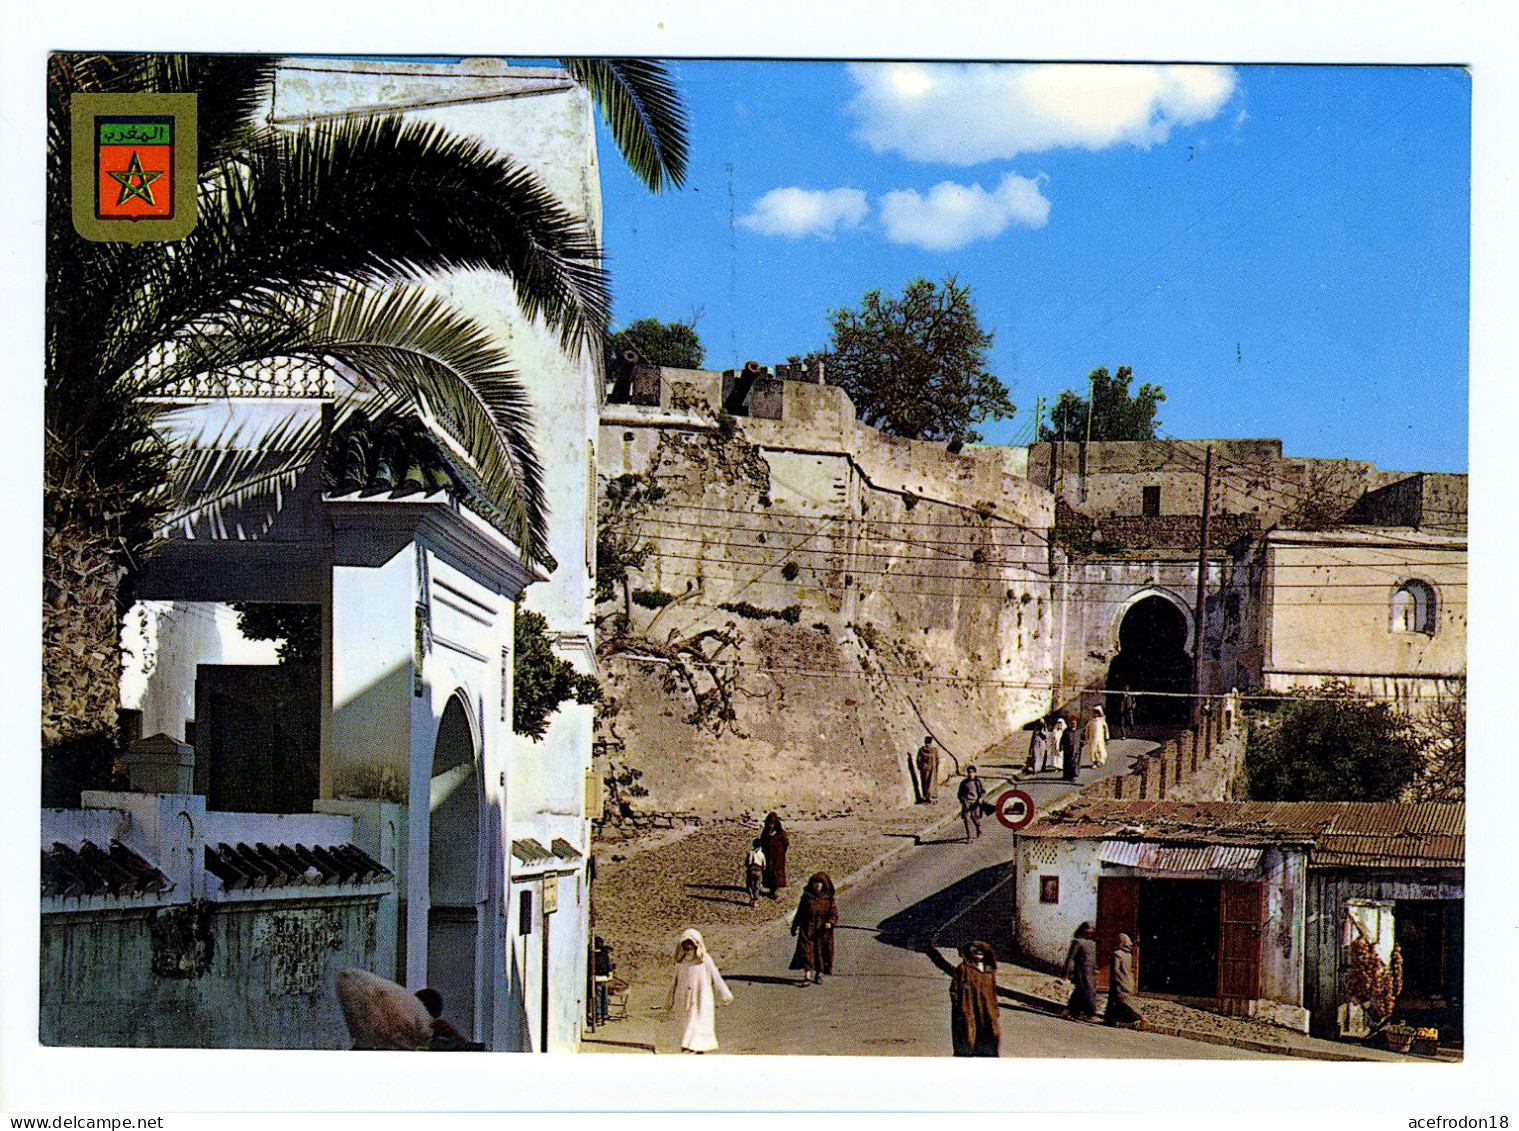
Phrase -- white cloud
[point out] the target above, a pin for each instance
(953, 215)
(796, 212)
(967, 113)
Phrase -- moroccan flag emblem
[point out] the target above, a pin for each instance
(134, 158)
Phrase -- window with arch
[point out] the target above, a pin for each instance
(1413, 608)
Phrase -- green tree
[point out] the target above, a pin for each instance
(298, 628)
(541, 681)
(1116, 414)
(303, 243)
(915, 366)
(662, 343)
(1332, 744)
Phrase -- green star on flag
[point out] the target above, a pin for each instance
(143, 178)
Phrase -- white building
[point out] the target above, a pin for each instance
(486, 832)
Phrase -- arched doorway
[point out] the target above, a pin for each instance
(453, 869)
(1153, 658)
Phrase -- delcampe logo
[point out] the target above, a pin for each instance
(134, 161)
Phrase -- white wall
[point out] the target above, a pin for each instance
(1044, 930)
(163, 643)
(553, 134)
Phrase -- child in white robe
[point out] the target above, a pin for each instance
(697, 989)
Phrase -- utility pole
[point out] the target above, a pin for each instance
(1091, 400)
(1200, 608)
(1038, 413)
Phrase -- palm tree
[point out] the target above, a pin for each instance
(303, 243)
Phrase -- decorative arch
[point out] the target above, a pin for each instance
(1414, 606)
(1116, 626)
(457, 867)
(1152, 658)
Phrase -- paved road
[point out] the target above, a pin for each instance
(899, 933)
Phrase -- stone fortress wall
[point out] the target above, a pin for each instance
(915, 579)
(887, 588)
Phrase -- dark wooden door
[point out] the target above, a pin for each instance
(1240, 912)
(258, 736)
(1117, 913)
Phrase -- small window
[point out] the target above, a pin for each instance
(524, 912)
(1413, 608)
(1049, 889)
(1151, 505)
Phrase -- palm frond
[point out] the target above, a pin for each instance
(233, 484)
(230, 90)
(362, 200)
(642, 108)
(406, 347)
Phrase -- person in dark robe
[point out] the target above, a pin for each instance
(971, 795)
(773, 843)
(1068, 752)
(974, 1023)
(1123, 1001)
(1126, 712)
(813, 924)
(928, 770)
(1081, 969)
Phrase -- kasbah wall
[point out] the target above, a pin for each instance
(915, 576)
(924, 592)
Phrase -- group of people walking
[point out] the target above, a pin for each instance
(698, 987)
(765, 866)
(1056, 746)
(975, 1025)
(975, 1022)
(1123, 988)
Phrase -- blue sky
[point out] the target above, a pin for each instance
(1283, 249)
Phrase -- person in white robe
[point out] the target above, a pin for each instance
(696, 990)
(1096, 741)
(1052, 748)
(1038, 747)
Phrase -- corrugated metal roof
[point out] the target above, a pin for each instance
(1339, 833)
(1151, 857)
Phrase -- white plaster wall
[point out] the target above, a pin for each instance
(367, 735)
(1282, 937)
(1044, 930)
(163, 642)
(470, 625)
(1328, 603)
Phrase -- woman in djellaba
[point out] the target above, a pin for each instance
(1123, 1001)
(1081, 969)
(974, 1024)
(773, 843)
(697, 989)
(816, 916)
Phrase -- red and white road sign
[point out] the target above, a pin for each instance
(1015, 809)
